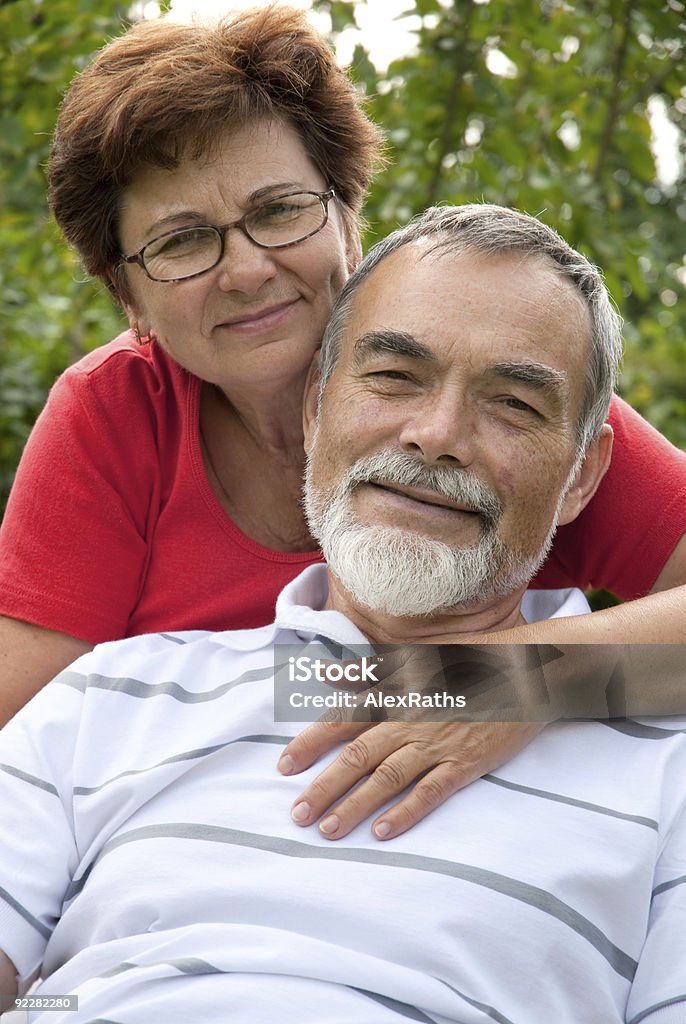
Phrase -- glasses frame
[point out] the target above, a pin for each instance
(222, 231)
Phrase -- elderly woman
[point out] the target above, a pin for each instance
(213, 179)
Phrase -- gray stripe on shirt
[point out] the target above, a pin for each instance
(137, 688)
(185, 965)
(524, 892)
(490, 1011)
(572, 801)
(669, 885)
(186, 755)
(644, 732)
(31, 779)
(675, 1001)
(195, 966)
(23, 912)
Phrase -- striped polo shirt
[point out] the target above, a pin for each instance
(148, 863)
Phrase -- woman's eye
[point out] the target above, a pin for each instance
(275, 212)
(181, 243)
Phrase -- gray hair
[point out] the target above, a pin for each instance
(490, 230)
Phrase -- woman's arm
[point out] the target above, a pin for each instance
(448, 756)
(29, 658)
(8, 978)
(673, 575)
(72, 539)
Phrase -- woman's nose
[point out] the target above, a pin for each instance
(245, 267)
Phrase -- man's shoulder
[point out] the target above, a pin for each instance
(172, 648)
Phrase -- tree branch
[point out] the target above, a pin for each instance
(446, 141)
(654, 83)
(613, 110)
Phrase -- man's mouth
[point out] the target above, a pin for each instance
(424, 496)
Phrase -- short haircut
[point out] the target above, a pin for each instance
(488, 230)
(165, 91)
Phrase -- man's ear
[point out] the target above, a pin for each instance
(587, 480)
(311, 400)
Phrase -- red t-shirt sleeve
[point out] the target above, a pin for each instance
(73, 542)
(624, 536)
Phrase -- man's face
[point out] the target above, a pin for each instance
(469, 373)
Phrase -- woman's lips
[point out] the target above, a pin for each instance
(260, 319)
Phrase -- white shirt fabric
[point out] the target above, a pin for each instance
(149, 863)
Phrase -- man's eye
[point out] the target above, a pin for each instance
(400, 375)
(519, 405)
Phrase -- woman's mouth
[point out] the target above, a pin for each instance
(253, 321)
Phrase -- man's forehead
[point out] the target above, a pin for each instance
(421, 273)
(438, 297)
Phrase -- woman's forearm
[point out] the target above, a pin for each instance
(656, 619)
(629, 660)
(29, 657)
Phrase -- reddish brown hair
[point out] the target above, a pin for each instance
(164, 91)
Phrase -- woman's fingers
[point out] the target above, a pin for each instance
(384, 760)
(318, 738)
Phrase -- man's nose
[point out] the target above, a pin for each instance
(245, 267)
(441, 430)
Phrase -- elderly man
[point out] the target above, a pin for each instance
(146, 864)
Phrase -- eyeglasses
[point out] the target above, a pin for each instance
(187, 252)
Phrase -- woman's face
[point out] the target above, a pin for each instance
(257, 317)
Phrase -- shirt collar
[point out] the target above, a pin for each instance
(300, 605)
(300, 610)
(553, 604)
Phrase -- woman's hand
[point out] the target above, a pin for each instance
(442, 756)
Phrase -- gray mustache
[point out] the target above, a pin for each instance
(454, 484)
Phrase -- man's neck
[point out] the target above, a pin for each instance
(445, 627)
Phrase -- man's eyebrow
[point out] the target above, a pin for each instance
(537, 376)
(397, 342)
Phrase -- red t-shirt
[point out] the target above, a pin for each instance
(112, 528)
(624, 536)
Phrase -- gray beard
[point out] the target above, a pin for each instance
(402, 573)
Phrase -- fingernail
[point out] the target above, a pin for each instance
(329, 825)
(301, 811)
(381, 829)
(286, 764)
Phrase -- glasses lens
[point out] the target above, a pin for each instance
(182, 253)
(286, 219)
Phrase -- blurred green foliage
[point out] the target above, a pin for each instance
(50, 314)
(538, 104)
